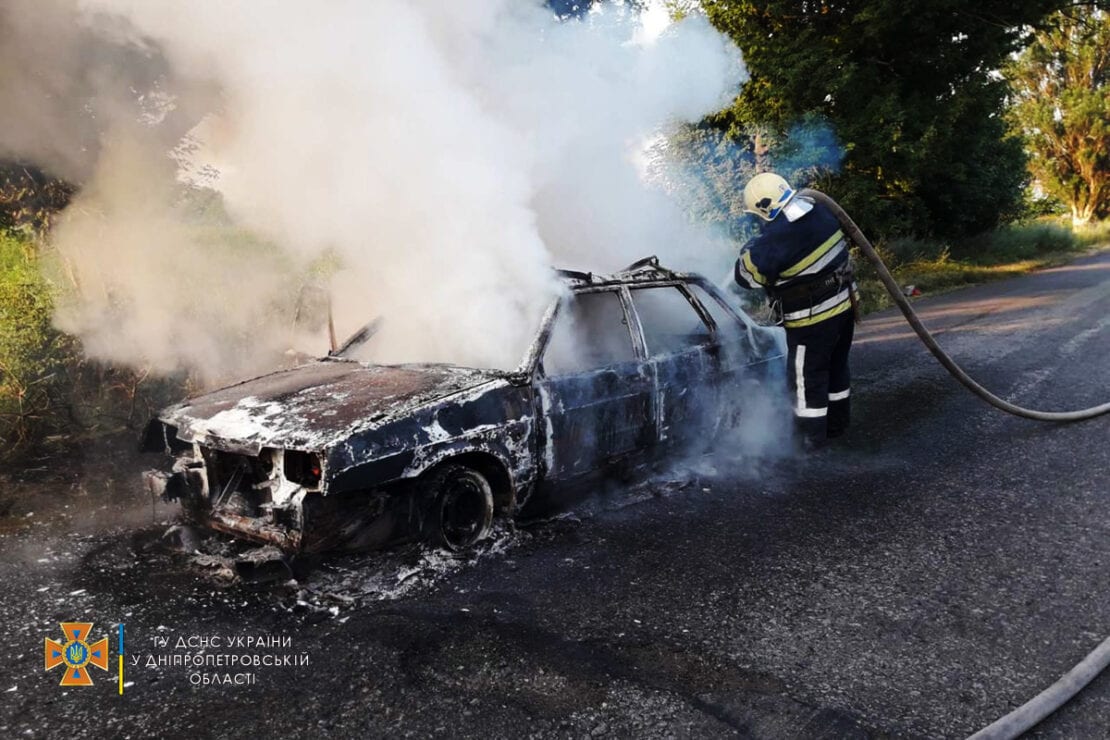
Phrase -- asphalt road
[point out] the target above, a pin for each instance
(939, 567)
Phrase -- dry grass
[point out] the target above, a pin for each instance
(1014, 250)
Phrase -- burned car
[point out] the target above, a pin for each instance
(339, 454)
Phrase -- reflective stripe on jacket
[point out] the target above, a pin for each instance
(802, 264)
(828, 308)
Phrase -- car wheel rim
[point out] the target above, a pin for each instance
(463, 514)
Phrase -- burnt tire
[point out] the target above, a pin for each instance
(461, 510)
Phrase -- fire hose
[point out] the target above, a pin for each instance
(1048, 701)
(856, 236)
(1026, 716)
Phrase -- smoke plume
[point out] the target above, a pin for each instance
(428, 161)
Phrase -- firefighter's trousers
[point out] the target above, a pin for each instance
(819, 378)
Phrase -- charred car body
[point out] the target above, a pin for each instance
(338, 454)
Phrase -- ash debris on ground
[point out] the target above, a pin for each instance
(328, 586)
(164, 578)
(96, 520)
(323, 586)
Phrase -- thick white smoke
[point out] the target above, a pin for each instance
(447, 154)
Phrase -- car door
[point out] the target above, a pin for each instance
(596, 395)
(746, 365)
(680, 350)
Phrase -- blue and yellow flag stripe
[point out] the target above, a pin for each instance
(121, 659)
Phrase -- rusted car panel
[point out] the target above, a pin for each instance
(341, 454)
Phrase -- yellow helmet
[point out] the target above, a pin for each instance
(766, 194)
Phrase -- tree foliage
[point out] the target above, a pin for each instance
(1061, 104)
(708, 167)
(909, 90)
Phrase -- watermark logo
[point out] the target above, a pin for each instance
(75, 653)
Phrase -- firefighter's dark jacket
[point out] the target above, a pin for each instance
(803, 264)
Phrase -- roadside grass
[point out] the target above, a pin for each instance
(52, 396)
(31, 350)
(934, 266)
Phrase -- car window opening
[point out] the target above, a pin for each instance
(590, 333)
(670, 323)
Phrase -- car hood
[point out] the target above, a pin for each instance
(314, 405)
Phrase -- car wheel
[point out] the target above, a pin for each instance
(461, 509)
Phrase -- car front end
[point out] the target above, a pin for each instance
(323, 456)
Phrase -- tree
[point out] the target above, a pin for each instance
(706, 167)
(908, 90)
(1061, 104)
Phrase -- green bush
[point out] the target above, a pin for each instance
(1010, 243)
(1029, 240)
(905, 250)
(33, 354)
(931, 266)
(51, 396)
(1096, 233)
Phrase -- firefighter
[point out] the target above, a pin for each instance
(800, 257)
